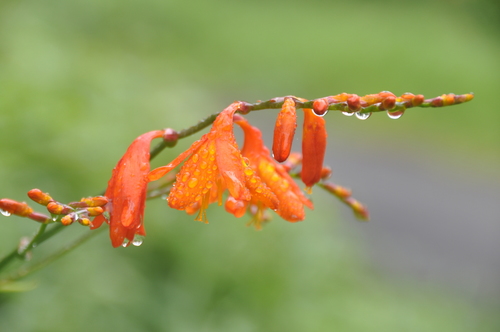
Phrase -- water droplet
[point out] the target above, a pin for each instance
(195, 158)
(395, 115)
(363, 116)
(348, 113)
(137, 240)
(193, 182)
(125, 243)
(5, 213)
(320, 114)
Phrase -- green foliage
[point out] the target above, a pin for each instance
(81, 79)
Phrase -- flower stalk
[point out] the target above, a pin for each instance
(213, 165)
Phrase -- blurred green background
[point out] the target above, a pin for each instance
(80, 80)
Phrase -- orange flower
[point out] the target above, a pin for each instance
(274, 175)
(214, 164)
(313, 147)
(127, 191)
(284, 130)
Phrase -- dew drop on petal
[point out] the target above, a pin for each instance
(193, 182)
(5, 213)
(125, 243)
(363, 116)
(395, 115)
(348, 113)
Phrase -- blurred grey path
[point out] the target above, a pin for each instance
(432, 222)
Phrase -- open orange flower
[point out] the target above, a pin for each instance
(127, 191)
(214, 164)
(291, 200)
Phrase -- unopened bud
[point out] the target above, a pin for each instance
(14, 207)
(68, 219)
(170, 137)
(95, 211)
(57, 208)
(320, 106)
(360, 211)
(284, 130)
(354, 103)
(95, 201)
(84, 221)
(40, 197)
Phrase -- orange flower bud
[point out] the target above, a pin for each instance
(313, 147)
(40, 197)
(84, 221)
(284, 130)
(326, 172)
(95, 201)
(57, 208)
(337, 190)
(388, 103)
(95, 211)
(14, 207)
(448, 99)
(354, 103)
(360, 211)
(320, 106)
(68, 219)
(236, 207)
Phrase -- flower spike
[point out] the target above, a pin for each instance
(127, 191)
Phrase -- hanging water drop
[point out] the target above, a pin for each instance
(125, 243)
(395, 115)
(363, 116)
(320, 114)
(5, 213)
(348, 113)
(137, 240)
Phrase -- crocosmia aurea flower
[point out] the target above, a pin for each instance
(126, 192)
(214, 163)
(291, 200)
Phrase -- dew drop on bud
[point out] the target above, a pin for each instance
(348, 113)
(137, 241)
(5, 213)
(363, 116)
(125, 243)
(320, 114)
(395, 115)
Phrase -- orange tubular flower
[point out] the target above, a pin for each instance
(214, 163)
(275, 176)
(313, 147)
(284, 130)
(127, 191)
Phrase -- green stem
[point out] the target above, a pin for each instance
(17, 253)
(23, 272)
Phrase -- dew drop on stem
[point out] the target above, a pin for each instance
(395, 115)
(363, 116)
